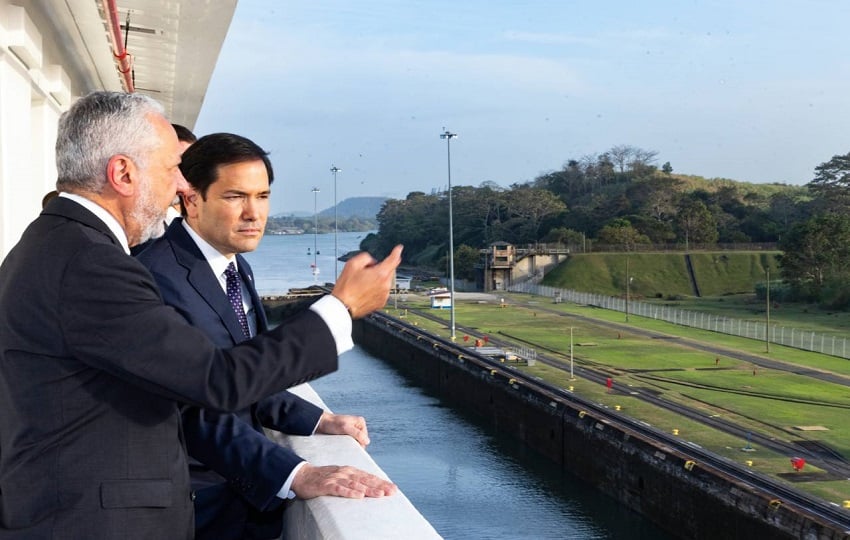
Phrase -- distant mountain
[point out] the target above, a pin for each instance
(361, 207)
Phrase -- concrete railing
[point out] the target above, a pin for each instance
(346, 519)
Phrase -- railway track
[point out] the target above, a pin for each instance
(779, 492)
(818, 455)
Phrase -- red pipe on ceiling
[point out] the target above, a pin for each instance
(125, 62)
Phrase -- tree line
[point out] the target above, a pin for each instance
(621, 198)
(322, 225)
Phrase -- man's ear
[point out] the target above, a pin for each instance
(122, 175)
(190, 203)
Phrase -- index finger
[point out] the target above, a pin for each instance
(394, 258)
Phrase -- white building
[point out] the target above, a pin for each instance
(440, 299)
(53, 51)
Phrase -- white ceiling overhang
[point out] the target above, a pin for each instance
(174, 46)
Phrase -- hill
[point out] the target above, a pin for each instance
(663, 275)
(360, 207)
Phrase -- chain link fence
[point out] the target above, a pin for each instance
(781, 335)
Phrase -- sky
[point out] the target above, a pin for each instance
(756, 91)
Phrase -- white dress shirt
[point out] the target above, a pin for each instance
(103, 215)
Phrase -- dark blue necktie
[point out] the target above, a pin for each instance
(234, 294)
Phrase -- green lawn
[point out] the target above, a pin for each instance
(663, 275)
(749, 308)
(772, 402)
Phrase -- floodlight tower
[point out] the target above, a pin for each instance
(448, 136)
(315, 234)
(334, 170)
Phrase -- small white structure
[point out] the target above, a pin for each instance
(440, 299)
(402, 283)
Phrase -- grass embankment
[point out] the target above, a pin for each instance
(726, 281)
(663, 275)
(772, 402)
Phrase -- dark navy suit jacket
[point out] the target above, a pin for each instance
(236, 470)
(92, 368)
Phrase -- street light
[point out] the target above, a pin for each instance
(335, 169)
(448, 136)
(767, 311)
(628, 284)
(315, 234)
(572, 378)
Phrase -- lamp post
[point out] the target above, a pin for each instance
(628, 284)
(572, 378)
(334, 170)
(448, 136)
(767, 311)
(315, 234)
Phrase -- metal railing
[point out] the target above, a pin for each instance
(833, 345)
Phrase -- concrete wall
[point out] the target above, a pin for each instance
(532, 265)
(693, 503)
(388, 518)
(35, 88)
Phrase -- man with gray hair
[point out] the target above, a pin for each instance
(93, 365)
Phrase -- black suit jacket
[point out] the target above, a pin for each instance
(92, 365)
(241, 470)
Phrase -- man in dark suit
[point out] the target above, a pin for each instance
(243, 477)
(93, 364)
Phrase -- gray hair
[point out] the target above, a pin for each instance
(96, 128)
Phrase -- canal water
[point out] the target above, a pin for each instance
(469, 482)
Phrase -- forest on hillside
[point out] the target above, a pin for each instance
(354, 214)
(321, 225)
(621, 200)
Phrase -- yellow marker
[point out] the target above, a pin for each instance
(616, 407)
(689, 465)
(675, 432)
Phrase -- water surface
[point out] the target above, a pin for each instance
(468, 481)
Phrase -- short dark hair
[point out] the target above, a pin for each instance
(184, 134)
(49, 196)
(200, 162)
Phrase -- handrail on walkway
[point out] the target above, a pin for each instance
(386, 518)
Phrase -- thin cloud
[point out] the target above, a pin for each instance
(549, 39)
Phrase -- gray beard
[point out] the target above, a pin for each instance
(149, 217)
